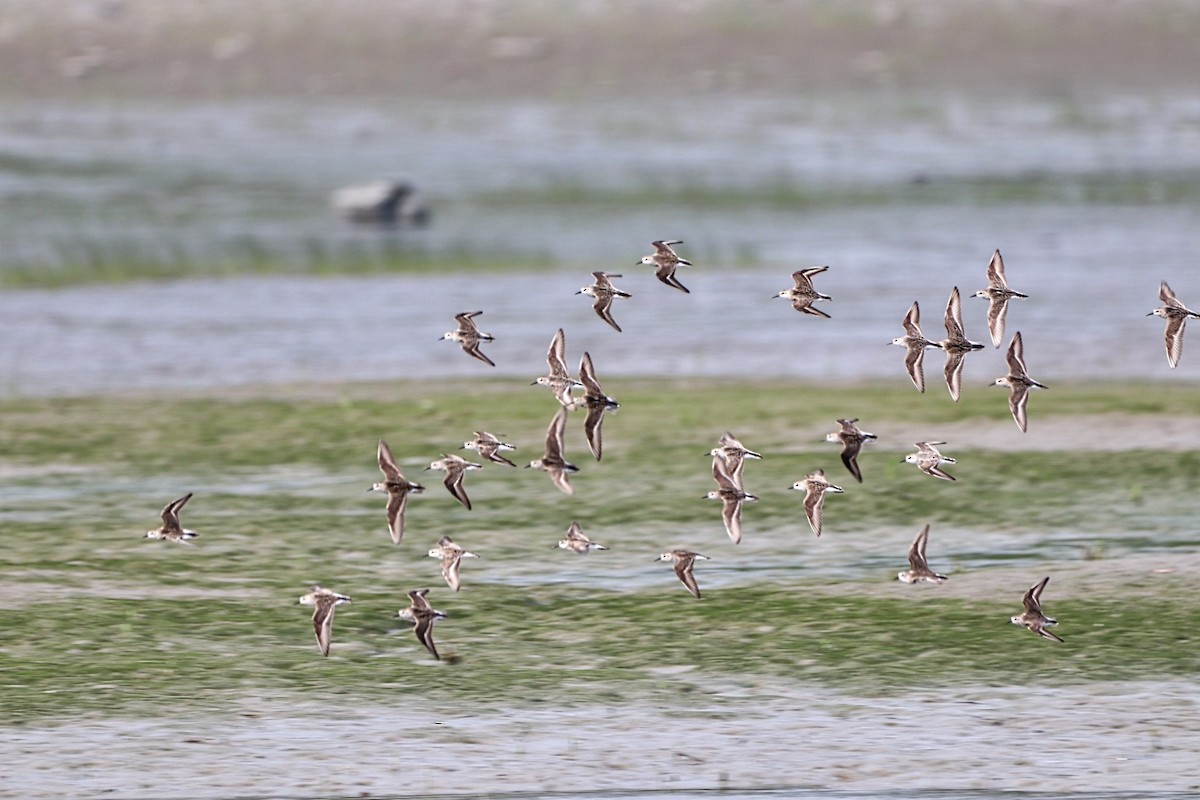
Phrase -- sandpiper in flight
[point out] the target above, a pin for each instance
(852, 440)
(664, 260)
(469, 336)
(731, 496)
(423, 615)
(1176, 314)
(455, 468)
(803, 295)
(997, 294)
(1032, 617)
(814, 487)
(171, 529)
(734, 454)
(956, 344)
(596, 402)
(324, 601)
(929, 460)
(604, 292)
(397, 487)
(684, 561)
(914, 343)
(918, 568)
(1018, 382)
(578, 542)
(488, 445)
(558, 380)
(553, 461)
(451, 556)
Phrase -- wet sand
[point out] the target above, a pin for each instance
(728, 735)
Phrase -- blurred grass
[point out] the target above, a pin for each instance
(103, 621)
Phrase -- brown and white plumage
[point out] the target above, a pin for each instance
(558, 380)
(455, 468)
(1032, 617)
(171, 529)
(603, 291)
(450, 555)
(731, 496)
(734, 454)
(814, 487)
(684, 561)
(914, 343)
(552, 461)
(324, 601)
(803, 295)
(422, 615)
(918, 568)
(956, 344)
(997, 294)
(488, 445)
(852, 440)
(665, 260)
(1018, 382)
(578, 542)
(1176, 314)
(929, 460)
(397, 487)
(469, 336)
(597, 404)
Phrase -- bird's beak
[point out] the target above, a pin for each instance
(533, 383)
(902, 461)
(1151, 314)
(527, 466)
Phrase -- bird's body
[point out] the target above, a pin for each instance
(1032, 617)
(422, 615)
(684, 561)
(603, 292)
(1018, 382)
(956, 344)
(171, 530)
(552, 461)
(324, 601)
(997, 294)
(455, 468)
(1176, 314)
(852, 440)
(450, 555)
(665, 260)
(469, 336)
(398, 489)
(914, 344)
(929, 460)
(918, 568)
(803, 295)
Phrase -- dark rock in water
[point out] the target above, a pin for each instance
(384, 202)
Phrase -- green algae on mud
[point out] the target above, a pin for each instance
(102, 620)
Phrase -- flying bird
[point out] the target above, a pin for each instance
(455, 467)
(914, 343)
(488, 446)
(997, 294)
(814, 487)
(171, 530)
(1176, 314)
(397, 487)
(918, 568)
(422, 615)
(684, 561)
(553, 462)
(956, 344)
(852, 440)
(450, 555)
(1018, 382)
(731, 496)
(469, 336)
(664, 260)
(578, 542)
(929, 460)
(1032, 617)
(597, 404)
(324, 601)
(734, 454)
(558, 380)
(603, 291)
(803, 295)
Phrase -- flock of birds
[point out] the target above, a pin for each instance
(728, 458)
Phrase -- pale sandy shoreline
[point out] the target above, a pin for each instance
(1126, 737)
